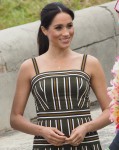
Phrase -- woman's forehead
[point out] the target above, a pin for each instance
(62, 18)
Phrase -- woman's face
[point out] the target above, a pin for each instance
(61, 31)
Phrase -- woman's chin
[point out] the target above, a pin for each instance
(65, 46)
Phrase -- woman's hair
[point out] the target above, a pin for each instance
(47, 15)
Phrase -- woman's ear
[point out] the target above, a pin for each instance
(44, 30)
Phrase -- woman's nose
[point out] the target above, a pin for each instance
(65, 31)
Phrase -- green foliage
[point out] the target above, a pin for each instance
(17, 12)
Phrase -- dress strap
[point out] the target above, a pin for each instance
(83, 62)
(35, 65)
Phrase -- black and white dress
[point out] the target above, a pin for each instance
(62, 101)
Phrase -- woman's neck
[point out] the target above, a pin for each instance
(58, 53)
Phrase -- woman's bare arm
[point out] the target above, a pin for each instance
(99, 86)
(21, 96)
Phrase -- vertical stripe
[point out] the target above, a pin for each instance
(56, 124)
(50, 124)
(53, 94)
(77, 83)
(58, 93)
(76, 148)
(73, 124)
(78, 121)
(71, 127)
(45, 90)
(45, 123)
(94, 147)
(70, 93)
(41, 122)
(83, 147)
(68, 127)
(98, 147)
(61, 125)
(80, 83)
(65, 93)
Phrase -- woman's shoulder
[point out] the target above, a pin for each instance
(92, 60)
(89, 60)
(27, 69)
(26, 63)
(94, 64)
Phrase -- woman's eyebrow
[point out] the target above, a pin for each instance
(62, 24)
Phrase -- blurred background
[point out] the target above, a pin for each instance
(17, 12)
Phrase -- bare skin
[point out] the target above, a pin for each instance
(63, 58)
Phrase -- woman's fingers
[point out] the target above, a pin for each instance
(54, 136)
(75, 140)
(76, 136)
(58, 132)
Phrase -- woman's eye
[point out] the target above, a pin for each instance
(61, 27)
(69, 26)
(58, 28)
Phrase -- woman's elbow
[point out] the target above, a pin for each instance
(13, 121)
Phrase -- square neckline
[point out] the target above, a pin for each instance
(60, 71)
(66, 71)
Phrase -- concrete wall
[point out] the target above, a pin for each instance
(96, 33)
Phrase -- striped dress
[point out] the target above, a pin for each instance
(62, 101)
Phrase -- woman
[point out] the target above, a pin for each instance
(60, 81)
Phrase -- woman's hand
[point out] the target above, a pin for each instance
(53, 136)
(77, 136)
